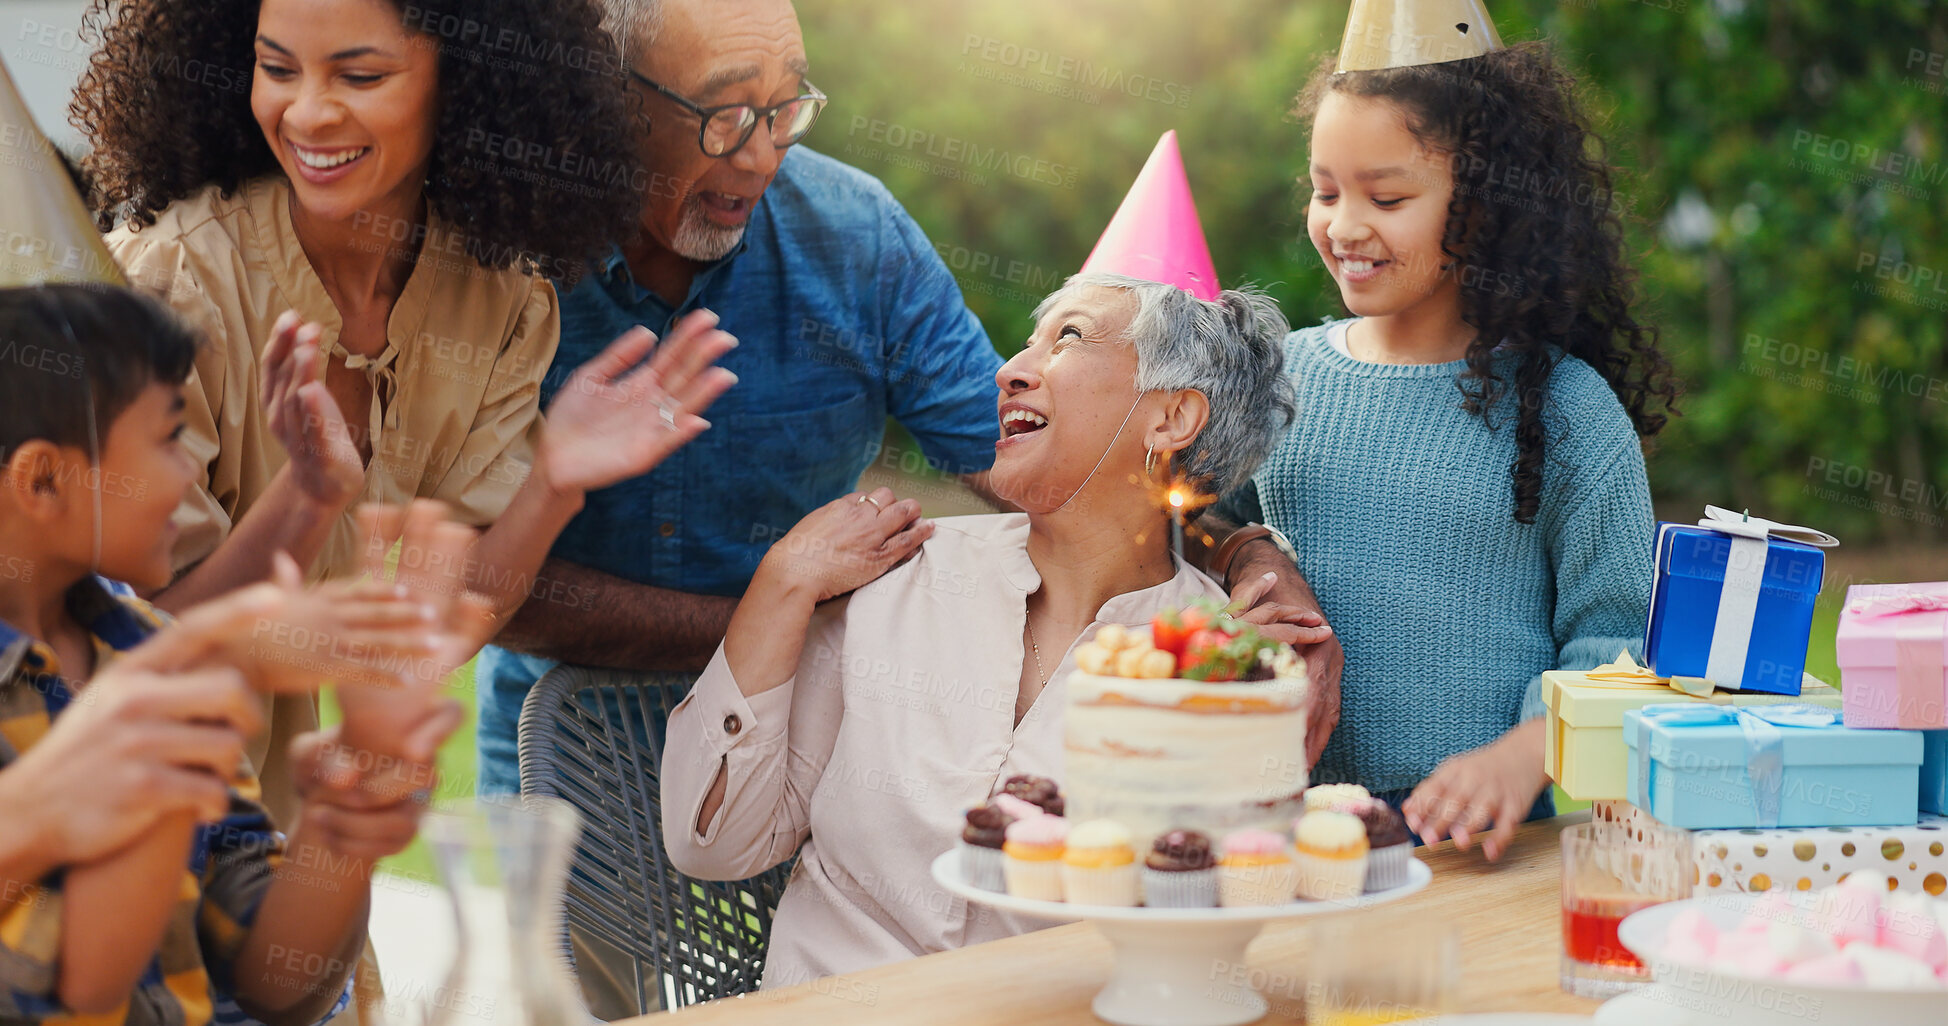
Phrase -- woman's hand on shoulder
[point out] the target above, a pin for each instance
(305, 418)
(1278, 613)
(847, 543)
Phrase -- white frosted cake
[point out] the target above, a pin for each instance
(1158, 754)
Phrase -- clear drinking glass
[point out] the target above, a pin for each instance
(504, 862)
(1379, 969)
(1606, 875)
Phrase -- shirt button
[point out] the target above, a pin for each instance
(732, 724)
(667, 529)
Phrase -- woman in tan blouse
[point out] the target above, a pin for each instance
(324, 199)
(862, 727)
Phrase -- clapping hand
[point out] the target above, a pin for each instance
(611, 422)
(362, 804)
(352, 631)
(305, 418)
(434, 560)
(395, 724)
(159, 731)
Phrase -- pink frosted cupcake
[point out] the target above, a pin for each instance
(1336, 798)
(1014, 808)
(1034, 849)
(1256, 869)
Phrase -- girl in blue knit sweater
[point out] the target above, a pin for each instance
(1465, 481)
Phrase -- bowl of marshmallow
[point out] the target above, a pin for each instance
(1853, 952)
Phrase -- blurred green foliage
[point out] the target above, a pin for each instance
(1783, 163)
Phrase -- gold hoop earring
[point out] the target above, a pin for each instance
(1150, 461)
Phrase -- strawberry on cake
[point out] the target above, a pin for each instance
(1198, 724)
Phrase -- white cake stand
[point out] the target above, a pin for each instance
(1171, 965)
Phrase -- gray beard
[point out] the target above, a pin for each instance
(700, 240)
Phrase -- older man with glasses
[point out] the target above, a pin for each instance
(845, 315)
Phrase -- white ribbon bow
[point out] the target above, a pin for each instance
(1746, 525)
(1738, 604)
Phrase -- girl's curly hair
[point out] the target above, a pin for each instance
(1535, 231)
(534, 158)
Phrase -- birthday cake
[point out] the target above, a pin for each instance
(1197, 724)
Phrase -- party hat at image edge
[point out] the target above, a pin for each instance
(49, 236)
(1155, 235)
(1404, 33)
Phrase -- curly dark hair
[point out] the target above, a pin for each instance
(534, 157)
(1535, 224)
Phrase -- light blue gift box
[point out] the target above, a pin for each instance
(1934, 772)
(1712, 767)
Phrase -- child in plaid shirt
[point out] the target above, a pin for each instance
(140, 880)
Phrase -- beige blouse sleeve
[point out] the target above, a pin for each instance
(500, 443)
(774, 746)
(162, 265)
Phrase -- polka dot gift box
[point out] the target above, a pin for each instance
(1915, 858)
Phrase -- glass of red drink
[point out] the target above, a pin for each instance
(1608, 873)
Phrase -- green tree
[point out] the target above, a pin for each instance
(1783, 163)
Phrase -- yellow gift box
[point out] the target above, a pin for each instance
(1585, 754)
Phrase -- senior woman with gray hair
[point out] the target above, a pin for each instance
(863, 726)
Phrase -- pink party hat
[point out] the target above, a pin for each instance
(1155, 234)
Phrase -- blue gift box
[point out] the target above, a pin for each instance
(1697, 602)
(1712, 767)
(1934, 772)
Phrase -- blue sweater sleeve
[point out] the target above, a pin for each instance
(1600, 541)
(940, 367)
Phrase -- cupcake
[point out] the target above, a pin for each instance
(980, 848)
(1256, 869)
(1099, 868)
(1040, 792)
(1336, 798)
(1014, 808)
(1180, 872)
(1389, 846)
(1332, 856)
(1033, 863)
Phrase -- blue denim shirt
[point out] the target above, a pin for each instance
(845, 315)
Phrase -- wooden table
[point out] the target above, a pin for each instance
(1508, 913)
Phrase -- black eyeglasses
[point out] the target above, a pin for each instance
(726, 129)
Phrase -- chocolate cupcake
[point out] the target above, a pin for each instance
(1039, 791)
(980, 848)
(1180, 872)
(1391, 846)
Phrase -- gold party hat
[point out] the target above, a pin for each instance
(45, 232)
(1404, 33)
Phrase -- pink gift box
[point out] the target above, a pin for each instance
(1893, 653)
